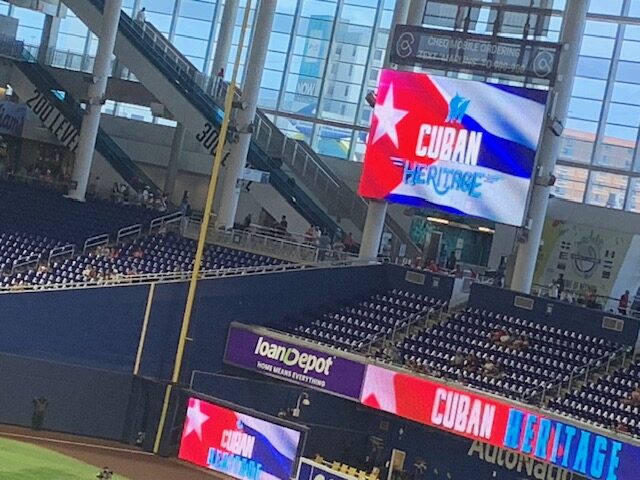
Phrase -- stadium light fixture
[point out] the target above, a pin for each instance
(442, 221)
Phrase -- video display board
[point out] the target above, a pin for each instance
(237, 444)
(498, 423)
(464, 147)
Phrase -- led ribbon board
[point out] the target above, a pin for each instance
(498, 423)
(464, 147)
(237, 444)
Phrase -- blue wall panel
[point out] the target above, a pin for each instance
(97, 327)
(82, 401)
(564, 315)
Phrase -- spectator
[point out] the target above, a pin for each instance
(310, 236)
(162, 203)
(93, 191)
(560, 282)
(185, 209)
(115, 193)
(141, 16)
(553, 290)
(386, 249)
(281, 227)
(623, 304)
(452, 261)
(348, 242)
(458, 359)
(246, 223)
(219, 81)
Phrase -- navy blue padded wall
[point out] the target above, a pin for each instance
(435, 285)
(82, 401)
(98, 327)
(263, 300)
(564, 315)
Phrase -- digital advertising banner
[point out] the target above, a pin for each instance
(237, 444)
(293, 360)
(500, 424)
(464, 147)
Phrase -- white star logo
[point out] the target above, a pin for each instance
(195, 419)
(388, 118)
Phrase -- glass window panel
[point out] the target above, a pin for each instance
(193, 28)
(310, 67)
(191, 46)
(582, 125)
(620, 114)
(576, 147)
(600, 29)
(283, 23)
(275, 60)
(628, 72)
(158, 6)
(597, 46)
(353, 34)
(608, 7)
(279, 42)
(358, 15)
(271, 79)
(268, 98)
(619, 132)
(629, 50)
(296, 129)
(315, 28)
(593, 67)
(571, 183)
(332, 141)
(197, 9)
(632, 32)
(633, 196)
(318, 8)
(160, 21)
(634, 8)
(287, 6)
(310, 47)
(583, 109)
(589, 88)
(607, 189)
(615, 154)
(298, 103)
(626, 92)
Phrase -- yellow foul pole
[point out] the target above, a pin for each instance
(197, 264)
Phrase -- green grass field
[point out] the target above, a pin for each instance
(22, 461)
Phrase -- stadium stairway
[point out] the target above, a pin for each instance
(62, 115)
(297, 172)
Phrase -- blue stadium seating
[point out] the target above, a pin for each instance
(523, 371)
(357, 324)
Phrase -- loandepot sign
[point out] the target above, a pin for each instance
(432, 48)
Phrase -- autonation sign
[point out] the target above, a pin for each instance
(292, 360)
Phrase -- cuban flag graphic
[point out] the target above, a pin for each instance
(237, 444)
(462, 146)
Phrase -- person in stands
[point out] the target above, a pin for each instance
(560, 282)
(623, 304)
(141, 16)
(348, 243)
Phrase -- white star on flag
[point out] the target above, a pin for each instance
(195, 419)
(388, 117)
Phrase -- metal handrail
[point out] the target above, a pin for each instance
(130, 231)
(171, 277)
(404, 323)
(95, 241)
(164, 220)
(61, 251)
(577, 372)
(24, 261)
